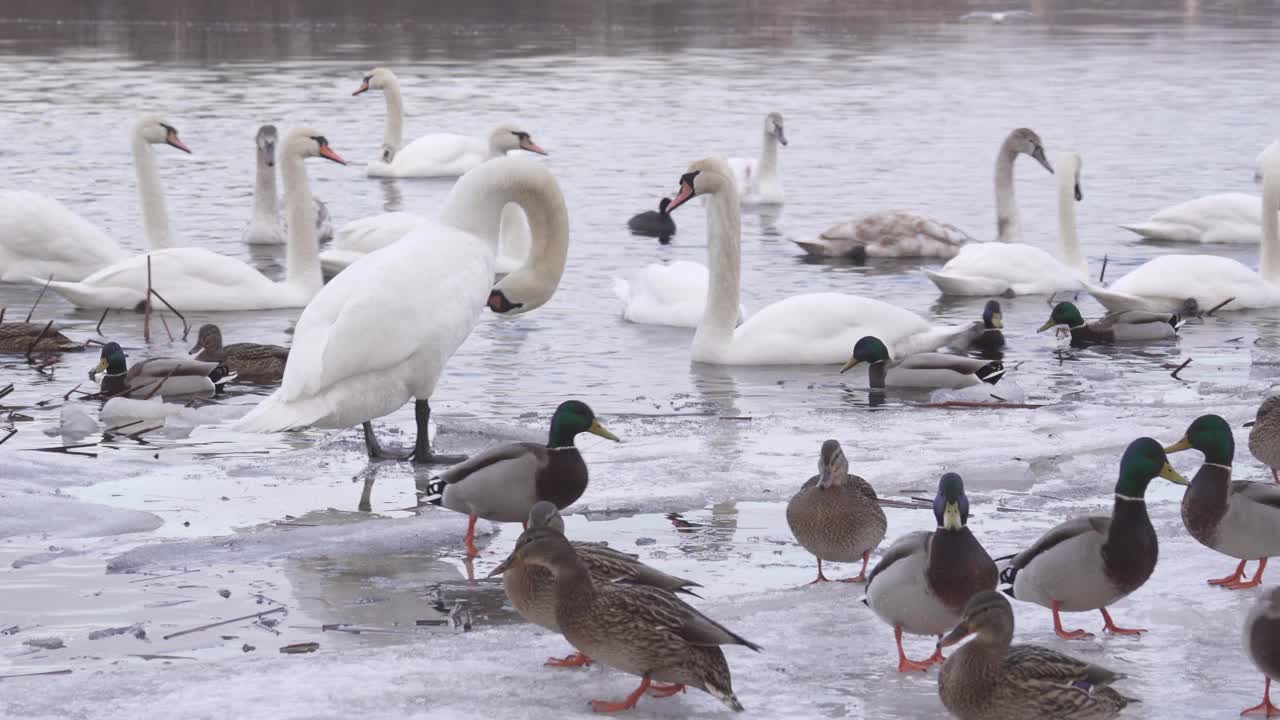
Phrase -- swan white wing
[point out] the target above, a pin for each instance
(997, 268)
(40, 237)
(436, 155)
(1163, 283)
(672, 294)
(375, 231)
(1220, 218)
(743, 174)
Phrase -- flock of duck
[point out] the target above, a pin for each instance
(414, 287)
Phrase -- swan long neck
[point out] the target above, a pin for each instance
(1008, 228)
(155, 216)
(302, 261)
(1269, 254)
(768, 164)
(724, 259)
(1068, 241)
(264, 191)
(393, 129)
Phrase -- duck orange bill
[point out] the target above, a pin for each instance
(329, 154)
(364, 87)
(172, 139)
(531, 146)
(686, 192)
(960, 632)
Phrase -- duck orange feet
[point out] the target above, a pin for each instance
(1062, 633)
(1233, 578)
(905, 665)
(574, 660)
(1114, 629)
(1265, 708)
(605, 706)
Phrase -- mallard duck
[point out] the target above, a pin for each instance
(651, 223)
(531, 588)
(921, 370)
(21, 337)
(1262, 639)
(637, 629)
(987, 336)
(1088, 563)
(254, 363)
(922, 583)
(991, 679)
(1264, 438)
(1122, 326)
(164, 377)
(1236, 518)
(502, 483)
(837, 516)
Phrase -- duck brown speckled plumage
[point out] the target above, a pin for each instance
(837, 516)
(1262, 640)
(638, 629)
(1264, 437)
(989, 678)
(252, 362)
(17, 337)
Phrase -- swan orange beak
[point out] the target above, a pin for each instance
(531, 146)
(329, 154)
(364, 87)
(171, 138)
(685, 192)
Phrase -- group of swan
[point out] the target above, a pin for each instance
(270, 226)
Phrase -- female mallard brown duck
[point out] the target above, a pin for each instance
(837, 516)
(1123, 326)
(637, 629)
(162, 377)
(1237, 518)
(531, 588)
(501, 484)
(1088, 563)
(1264, 437)
(922, 583)
(921, 370)
(251, 362)
(1262, 639)
(21, 337)
(992, 679)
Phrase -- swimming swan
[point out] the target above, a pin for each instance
(269, 226)
(758, 181)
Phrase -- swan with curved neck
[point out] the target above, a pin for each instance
(1166, 283)
(1017, 268)
(436, 154)
(1022, 141)
(40, 237)
(269, 226)
(816, 328)
(199, 279)
(354, 359)
(758, 181)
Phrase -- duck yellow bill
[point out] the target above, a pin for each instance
(960, 632)
(505, 566)
(598, 429)
(1047, 325)
(997, 320)
(850, 365)
(1168, 473)
(1183, 444)
(951, 518)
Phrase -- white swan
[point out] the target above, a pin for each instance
(758, 181)
(1017, 268)
(269, 226)
(381, 332)
(199, 279)
(897, 233)
(1165, 283)
(436, 154)
(672, 294)
(817, 328)
(40, 236)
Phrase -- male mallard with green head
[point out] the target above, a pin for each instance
(922, 583)
(1123, 326)
(990, 678)
(251, 362)
(987, 337)
(837, 516)
(1088, 563)
(1237, 518)
(921, 370)
(502, 483)
(531, 588)
(637, 629)
(1264, 437)
(1262, 640)
(161, 377)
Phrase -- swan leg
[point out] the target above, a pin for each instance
(422, 454)
(375, 450)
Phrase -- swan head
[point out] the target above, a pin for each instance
(157, 131)
(705, 177)
(1069, 165)
(773, 126)
(378, 78)
(870, 350)
(1064, 313)
(507, 137)
(266, 139)
(208, 338)
(1027, 142)
(305, 142)
(992, 317)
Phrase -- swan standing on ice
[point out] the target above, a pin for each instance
(436, 154)
(199, 279)
(897, 233)
(1017, 268)
(40, 236)
(1166, 283)
(811, 329)
(269, 226)
(381, 332)
(757, 180)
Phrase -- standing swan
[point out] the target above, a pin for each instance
(381, 332)
(40, 236)
(437, 154)
(1019, 269)
(1165, 283)
(199, 279)
(269, 226)
(757, 180)
(811, 329)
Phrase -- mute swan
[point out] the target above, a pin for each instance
(381, 332)
(654, 223)
(199, 279)
(898, 233)
(757, 180)
(673, 294)
(269, 226)
(437, 154)
(1019, 269)
(1166, 283)
(40, 236)
(817, 328)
